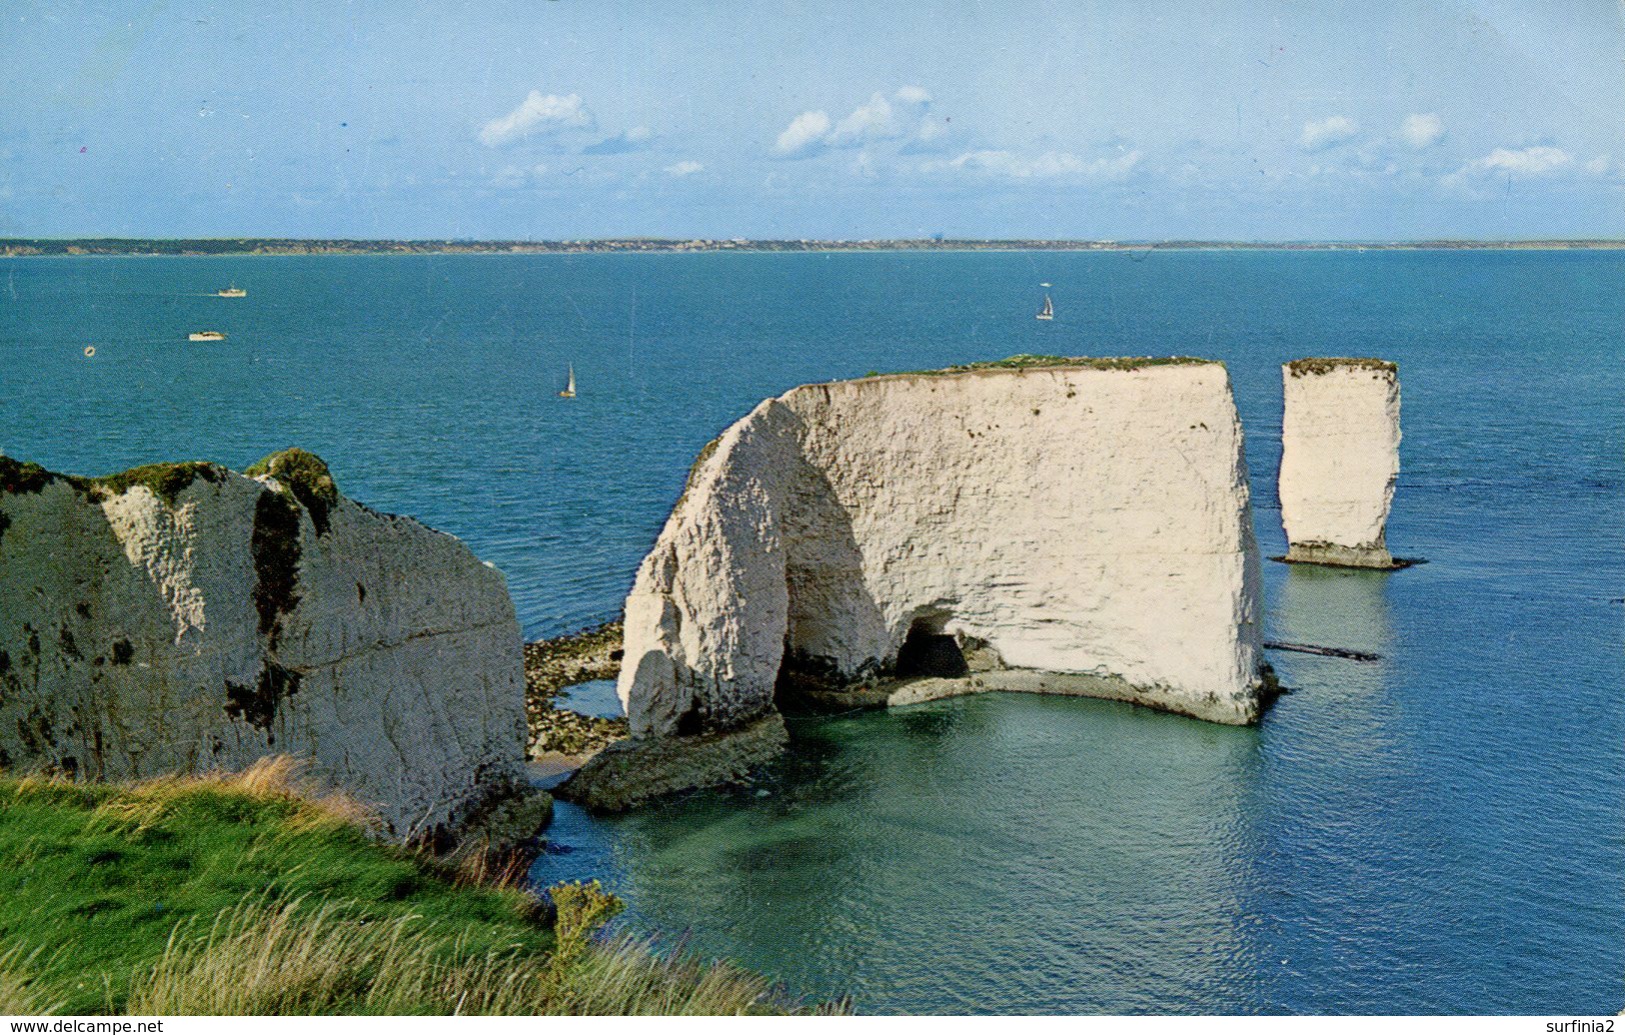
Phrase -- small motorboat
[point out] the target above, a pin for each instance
(206, 336)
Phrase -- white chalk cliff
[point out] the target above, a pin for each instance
(1339, 460)
(187, 618)
(1084, 522)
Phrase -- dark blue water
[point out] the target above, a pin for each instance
(1440, 831)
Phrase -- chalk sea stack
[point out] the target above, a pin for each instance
(1071, 526)
(186, 618)
(1339, 460)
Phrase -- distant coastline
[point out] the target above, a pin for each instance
(23, 246)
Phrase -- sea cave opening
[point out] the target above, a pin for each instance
(929, 651)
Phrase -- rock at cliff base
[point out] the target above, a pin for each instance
(630, 772)
(185, 618)
(1339, 460)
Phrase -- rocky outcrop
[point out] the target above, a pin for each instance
(1081, 525)
(1339, 460)
(182, 617)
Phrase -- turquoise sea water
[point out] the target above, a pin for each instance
(1439, 831)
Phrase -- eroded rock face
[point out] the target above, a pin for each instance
(1339, 460)
(187, 618)
(1086, 520)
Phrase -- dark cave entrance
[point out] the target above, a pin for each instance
(928, 651)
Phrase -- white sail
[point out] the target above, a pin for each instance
(570, 388)
(1048, 312)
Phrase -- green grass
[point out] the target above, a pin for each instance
(307, 477)
(1326, 364)
(167, 481)
(1028, 361)
(248, 895)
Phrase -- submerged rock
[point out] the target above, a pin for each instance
(1339, 460)
(182, 618)
(1081, 520)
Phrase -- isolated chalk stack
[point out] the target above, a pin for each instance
(1339, 460)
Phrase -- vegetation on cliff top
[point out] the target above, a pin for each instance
(166, 481)
(1326, 364)
(306, 476)
(250, 894)
(1028, 361)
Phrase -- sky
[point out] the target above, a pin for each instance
(848, 119)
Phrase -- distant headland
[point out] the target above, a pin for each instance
(23, 246)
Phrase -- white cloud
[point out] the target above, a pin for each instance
(1049, 165)
(1327, 132)
(872, 121)
(1598, 165)
(1531, 161)
(804, 133)
(1422, 130)
(684, 168)
(537, 114)
(1541, 160)
(904, 114)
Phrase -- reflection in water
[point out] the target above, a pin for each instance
(1003, 852)
(1334, 607)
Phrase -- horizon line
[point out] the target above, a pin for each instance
(682, 239)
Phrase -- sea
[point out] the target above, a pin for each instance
(1438, 831)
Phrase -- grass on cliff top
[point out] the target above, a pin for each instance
(1326, 364)
(1027, 361)
(304, 473)
(306, 476)
(165, 480)
(239, 895)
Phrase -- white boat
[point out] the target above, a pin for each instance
(206, 336)
(570, 389)
(1048, 312)
(232, 292)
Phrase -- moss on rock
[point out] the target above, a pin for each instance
(306, 476)
(1327, 364)
(20, 478)
(166, 481)
(631, 772)
(571, 733)
(552, 665)
(1030, 361)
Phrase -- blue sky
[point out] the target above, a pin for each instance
(583, 118)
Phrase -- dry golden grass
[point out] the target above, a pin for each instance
(22, 992)
(281, 958)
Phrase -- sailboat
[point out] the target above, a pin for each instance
(570, 389)
(1048, 312)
